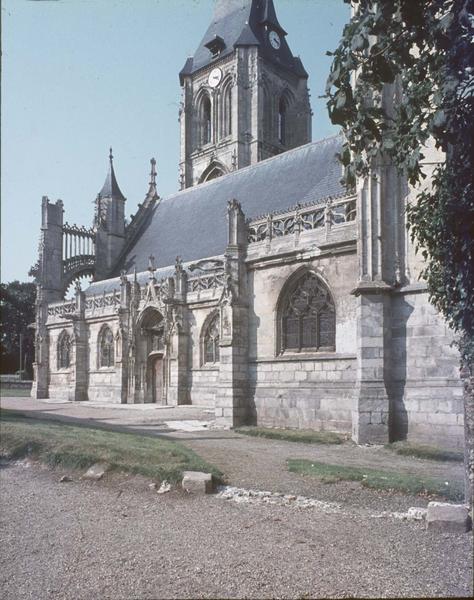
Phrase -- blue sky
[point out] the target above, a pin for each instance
(79, 76)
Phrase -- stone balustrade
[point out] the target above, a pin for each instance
(332, 213)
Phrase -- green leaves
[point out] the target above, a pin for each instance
(413, 64)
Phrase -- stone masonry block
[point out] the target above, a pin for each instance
(195, 482)
(448, 518)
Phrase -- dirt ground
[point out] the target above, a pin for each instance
(119, 539)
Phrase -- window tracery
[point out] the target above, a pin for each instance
(227, 111)
(210, 342)
(205, 119)
(307, 317)
(282, 121)
(106, 348)
(64, 351)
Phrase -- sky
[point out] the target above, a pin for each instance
(79, 76)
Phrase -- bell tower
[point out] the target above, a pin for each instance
(244, 95)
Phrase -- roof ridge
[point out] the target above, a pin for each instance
(250, 167)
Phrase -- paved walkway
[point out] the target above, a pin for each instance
(249, 462)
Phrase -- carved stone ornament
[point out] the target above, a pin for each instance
(207, 265)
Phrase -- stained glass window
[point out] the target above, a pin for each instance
(211, 342)
(64, 351)
(106, 348)
(308, 319)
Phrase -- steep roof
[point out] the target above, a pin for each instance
(192, 223)
(111, 189)
(244, 23)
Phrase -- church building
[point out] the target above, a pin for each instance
(263, 288)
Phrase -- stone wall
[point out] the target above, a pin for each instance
(311, 391)
(204, 378)
(426, 389)
(306, 394)
(104, 382)
(61, 381)
(203, 387)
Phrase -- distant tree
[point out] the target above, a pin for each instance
(17, 305)
(427, 47)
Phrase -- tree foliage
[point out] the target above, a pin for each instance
(421, 54)
(17, 303)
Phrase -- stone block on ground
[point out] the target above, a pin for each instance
(96, 472)
(196, 482)
(448, 518)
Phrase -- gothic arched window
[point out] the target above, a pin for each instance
(64, 351)
(205, 120)
(282, 121)
(268, 112)
(210, 342)
(307, 317)
(106, 347)
(227, 111)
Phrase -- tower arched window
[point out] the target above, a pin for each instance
(227, 111)
(106, 347)
(210, 342)
(64, 351)
(205, 121)
(268, 112)
(282, 121)
(307, 317)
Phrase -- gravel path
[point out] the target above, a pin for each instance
(118, 539)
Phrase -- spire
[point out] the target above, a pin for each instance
(269, 17)
(110, 189)
(152, 193)
(243, 23)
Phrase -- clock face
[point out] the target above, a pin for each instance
(274, 40)
(215, 77)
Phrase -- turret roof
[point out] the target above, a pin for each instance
(244, 23)
(111, 189)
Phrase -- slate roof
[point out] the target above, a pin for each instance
(243, 23)
(192, 223)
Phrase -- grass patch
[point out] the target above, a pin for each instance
(427, 452)
(379, 480)
(305, 436)
(77, 447)
(14, 392)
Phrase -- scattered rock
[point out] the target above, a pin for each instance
(195, 482)
(448, 518)
(164, 487)
(152, 486)
(65, 479)
(241, 495)
(96, 472)
(416, 513)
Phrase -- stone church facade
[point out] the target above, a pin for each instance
(263, 288)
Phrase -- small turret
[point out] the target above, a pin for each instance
(109, 223)
(152, 193)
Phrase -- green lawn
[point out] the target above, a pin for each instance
(380, 480)
(71, 446)
(427, 452)
(305, 436)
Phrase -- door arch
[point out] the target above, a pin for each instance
(152, 356)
